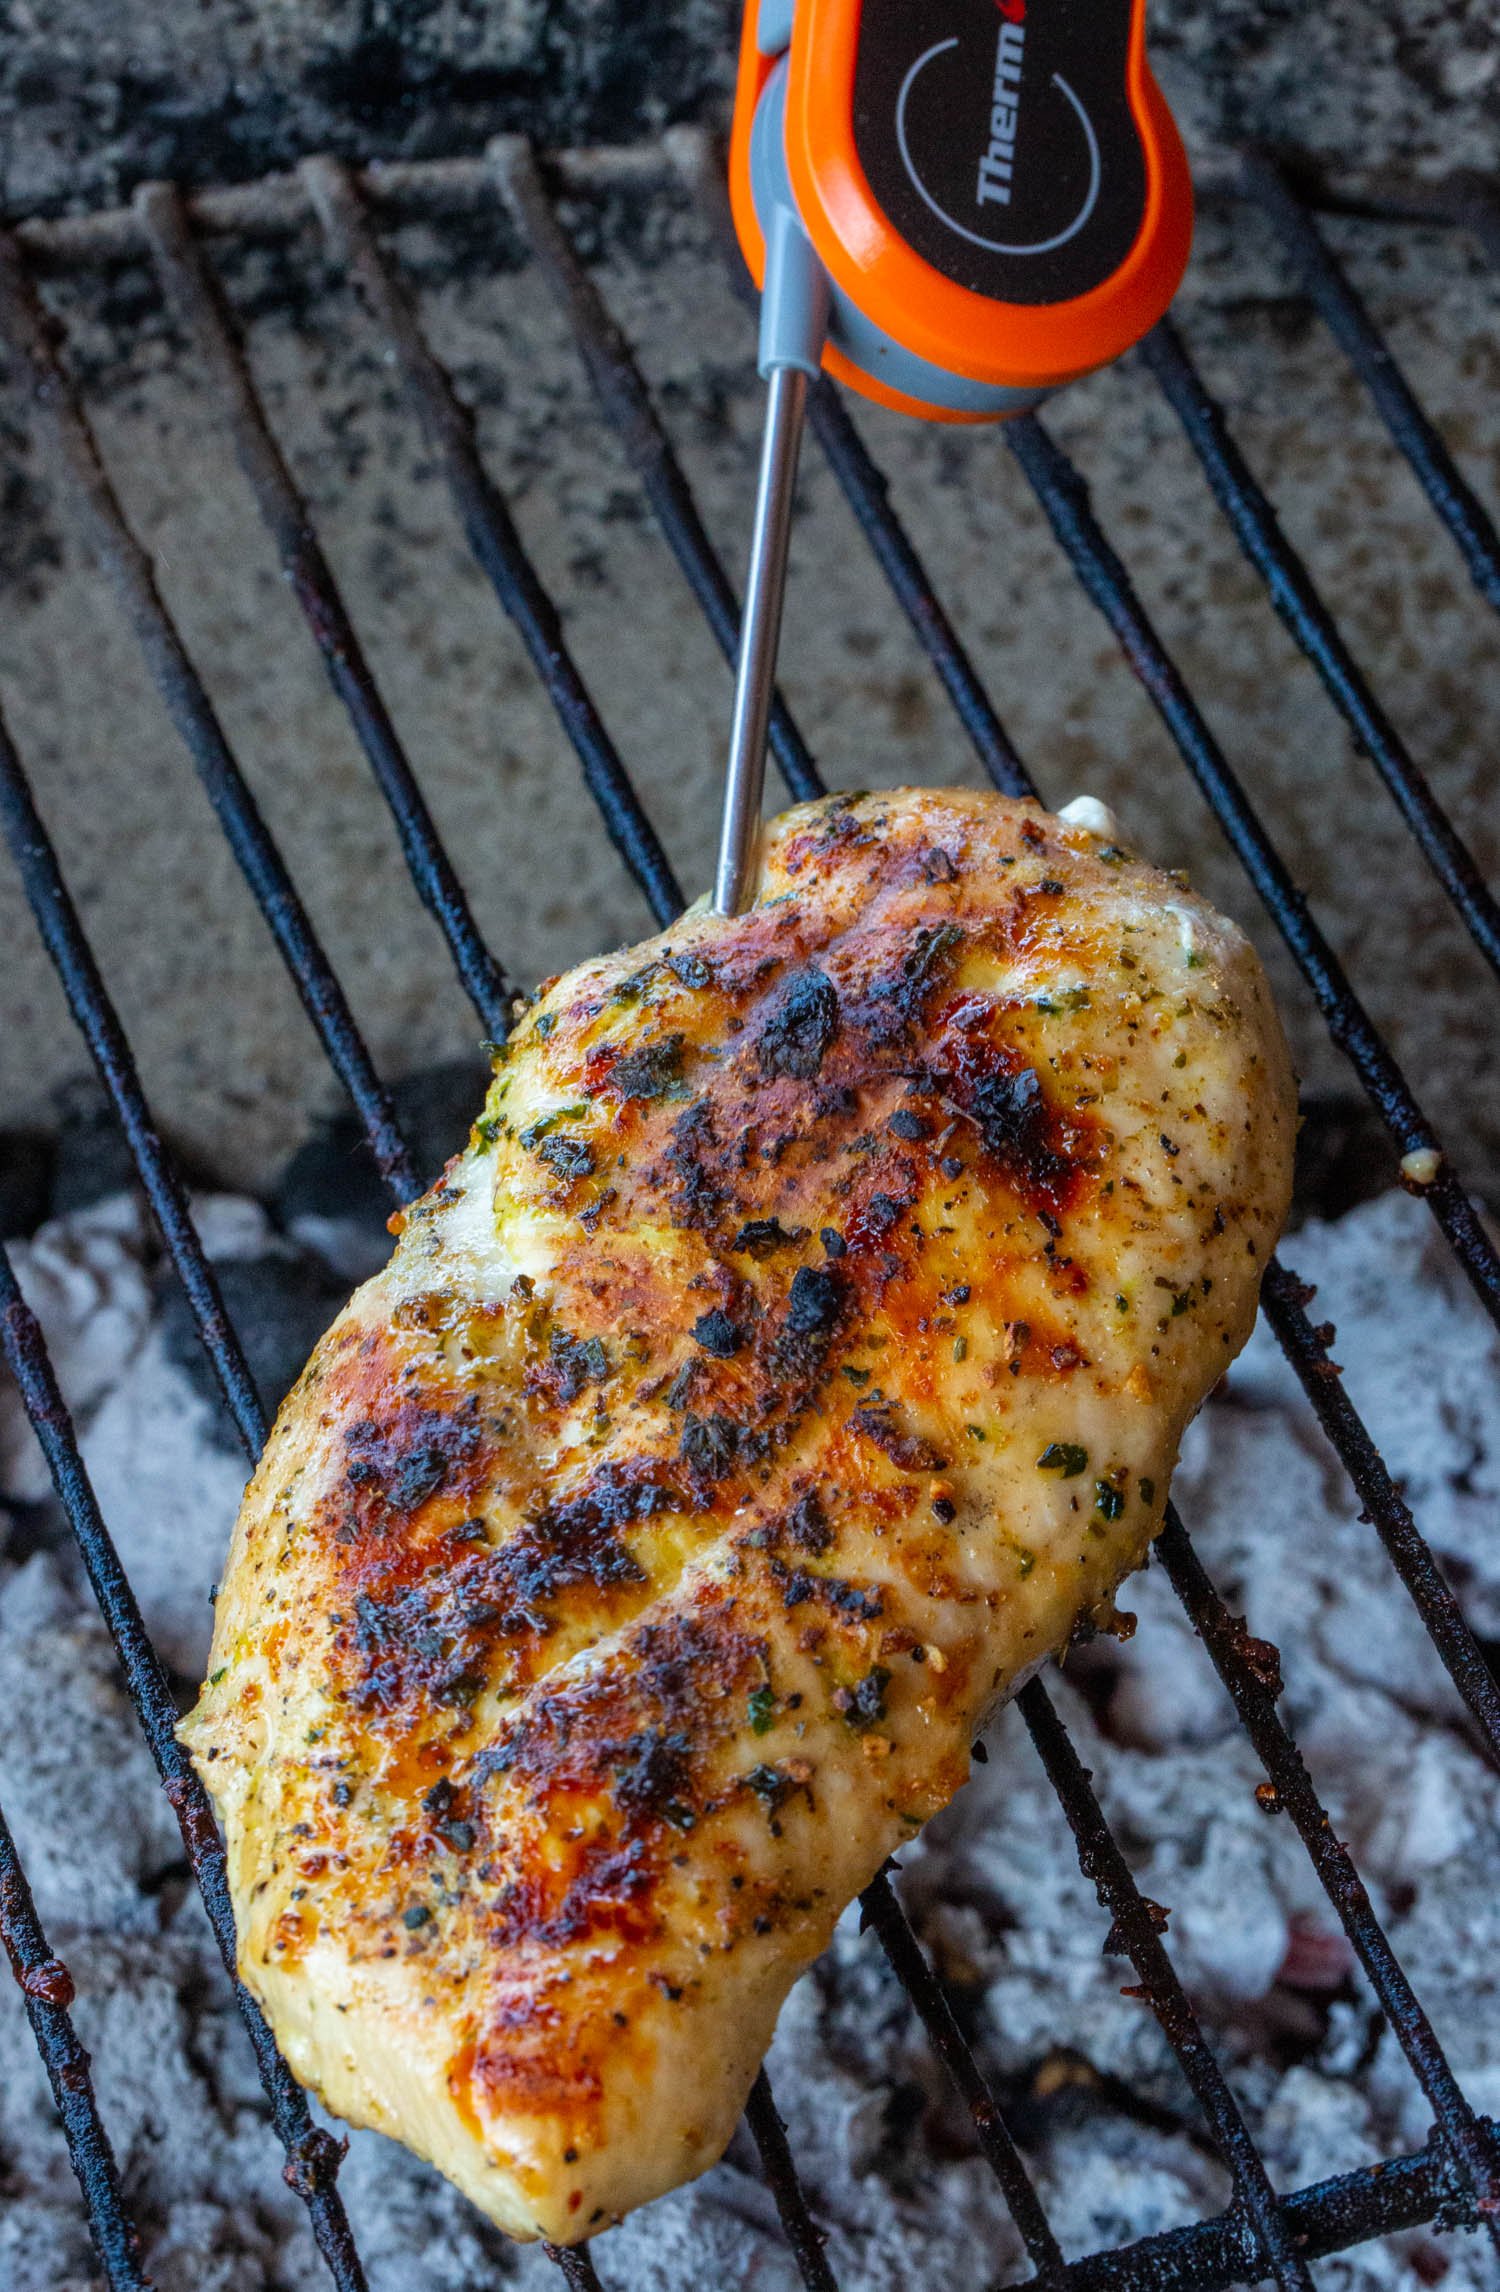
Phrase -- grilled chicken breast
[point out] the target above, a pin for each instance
(800, 1348)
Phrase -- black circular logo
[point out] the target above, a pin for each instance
(997, 137)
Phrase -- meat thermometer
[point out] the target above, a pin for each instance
(954, 206)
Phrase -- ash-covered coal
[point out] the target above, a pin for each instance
(994, 1886)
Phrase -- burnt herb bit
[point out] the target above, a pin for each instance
(691, 970)
(762, 1237)
(770, 1786)
(571, 1158)
(459, 1835)
(417, 1915)
(816, 1301)
(762, 1710)
(653, 1071)
(710, 1445)
(834, 1244)
(801, 1029)
(717, 1334)
(931, 952)
(1063, 1457)
(875, 1422)
(576, 1362)
(864, 1706)
(654, 1776)
(904, 1124)
(1108, 1500)
(806, 1525)
(1147, 1489)
(680, 1391)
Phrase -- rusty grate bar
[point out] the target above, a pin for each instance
(1250, 1671)
(578, 2269)
(194, 298)
(1327, 286)
(1296, 599)
(46, 1988)
(66, 430)
(1341, 2218)
(1136, 1928)
(88, 999)
(492, 534)
(312, 2156)
(880, 1911)
(801, 2231)
(1282, 1300)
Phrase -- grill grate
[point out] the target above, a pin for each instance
(1456, 2179)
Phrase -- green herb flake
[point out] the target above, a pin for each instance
(215, 1676)
(1026, 1561)
(960, 1348)
(545, 1024)
(1064, 1457)
(1148, 1491)
(762, 1710)
(545, 1124)
(976, 1432)
(417, 1915)
(1108, 1500)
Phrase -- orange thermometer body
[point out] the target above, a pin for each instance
(953, 206)
(994, 190)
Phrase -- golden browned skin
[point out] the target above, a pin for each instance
(800, 1348)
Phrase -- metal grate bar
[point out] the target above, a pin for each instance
(312, 2156)
(195, 300)
(88, 998)
(1342, 310)
(1304, 613)
(1250, 1671)
(1282, 1299)
(802, 2234)
(867, 494)
(627, 405)
(1210, 2256)
(1065, 499)
(881, 1910)
(492, 535)
(46, 1987)
(1136, 1931)
(578, 2269)
(63, 423)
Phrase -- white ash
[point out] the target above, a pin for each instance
(994, 1886)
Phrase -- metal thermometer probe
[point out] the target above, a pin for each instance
(954, 206)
